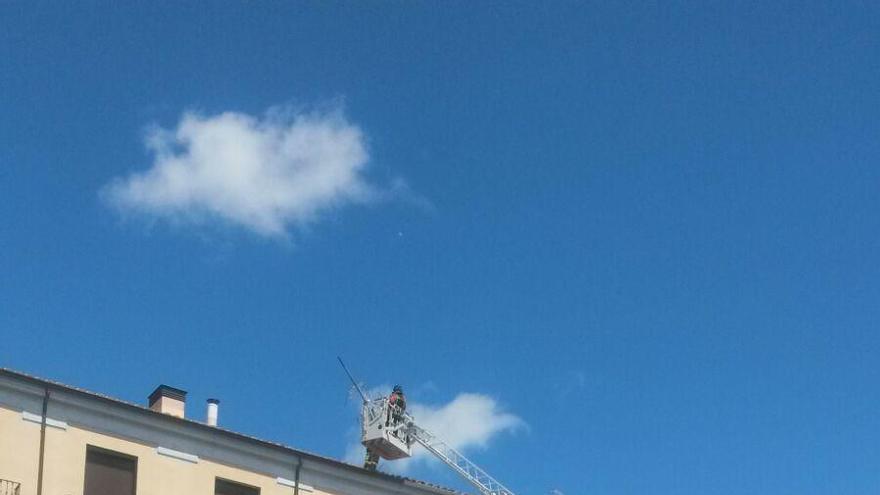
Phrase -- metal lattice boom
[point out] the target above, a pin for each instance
(454, 459)
(400, 431)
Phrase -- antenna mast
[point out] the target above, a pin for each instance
(353, 382)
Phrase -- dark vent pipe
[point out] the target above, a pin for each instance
(42, 440)
(299, 466)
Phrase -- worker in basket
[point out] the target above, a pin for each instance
(396, 406)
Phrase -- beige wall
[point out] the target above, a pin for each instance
(19, 450)
(64, 467)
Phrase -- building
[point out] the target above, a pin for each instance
(61, 440)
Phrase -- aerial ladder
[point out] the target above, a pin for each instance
(389, 433)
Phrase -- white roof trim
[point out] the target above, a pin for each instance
(183, 456)
(292, 484)
(36, 418)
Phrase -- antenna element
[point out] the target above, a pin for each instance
(356, 386)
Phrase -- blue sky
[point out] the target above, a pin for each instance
(649, 232)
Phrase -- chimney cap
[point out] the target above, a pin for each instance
(213, 401)
(167, 391)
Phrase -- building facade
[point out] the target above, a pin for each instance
(61, 440)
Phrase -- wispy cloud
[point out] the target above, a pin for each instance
(574, 382)
(268, 174)
(469, 422)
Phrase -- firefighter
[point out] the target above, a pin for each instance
(396, 406)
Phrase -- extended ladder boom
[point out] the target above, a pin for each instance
(389, 433)
(454, 459)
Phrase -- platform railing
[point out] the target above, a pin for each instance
(9, 487)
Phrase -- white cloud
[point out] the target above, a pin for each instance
(265, 174)
(469, 422)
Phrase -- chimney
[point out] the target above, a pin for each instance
(213, 409)
(168, 400)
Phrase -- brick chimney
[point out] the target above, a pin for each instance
(168, 400)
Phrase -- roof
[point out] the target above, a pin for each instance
(240, 436)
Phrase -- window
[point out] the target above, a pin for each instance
(226, 487)
(9, 487)
(109, 473)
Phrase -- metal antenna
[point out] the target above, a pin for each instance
(356, 386)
